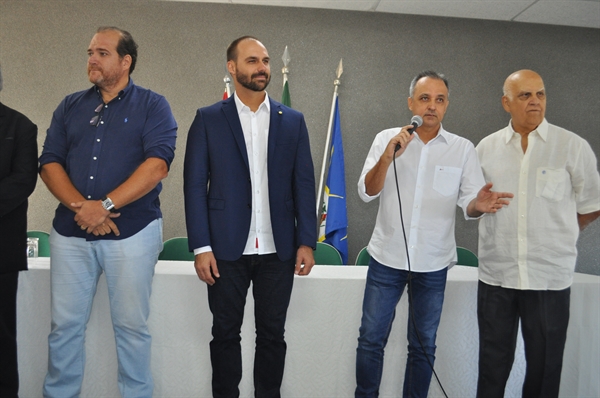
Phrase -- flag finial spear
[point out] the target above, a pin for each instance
(286, 60)
(227, 81)
(338, 73)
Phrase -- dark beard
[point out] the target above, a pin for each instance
(105, 79)
(250, 84)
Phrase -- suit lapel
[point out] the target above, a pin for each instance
(233, 118)
(3, 121)
(274, 128)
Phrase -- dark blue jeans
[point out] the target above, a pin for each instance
(383, 290)
(272, 281)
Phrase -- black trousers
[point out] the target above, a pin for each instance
(272, 282)
(544, 316)
(9, 370)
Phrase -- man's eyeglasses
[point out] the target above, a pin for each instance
(95, 121)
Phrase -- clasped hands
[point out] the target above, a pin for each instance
(95, 219)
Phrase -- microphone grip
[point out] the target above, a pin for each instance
(410, 131)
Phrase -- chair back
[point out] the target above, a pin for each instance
(363, 257)
(466, 257)
(327, 255)
(43, 242)
(176, 249)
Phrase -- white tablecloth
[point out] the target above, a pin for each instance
(321, 333)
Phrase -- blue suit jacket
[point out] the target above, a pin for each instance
(218, 188)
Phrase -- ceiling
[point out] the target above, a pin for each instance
(581, 13)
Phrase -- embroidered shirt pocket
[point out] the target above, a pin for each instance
(550, 183)
(446, 180)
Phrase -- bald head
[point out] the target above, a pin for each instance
(525, 99)
(515, 78)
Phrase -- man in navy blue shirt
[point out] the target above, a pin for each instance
(106, 151)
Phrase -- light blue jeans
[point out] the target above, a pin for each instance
(383, 290)
(76, 266)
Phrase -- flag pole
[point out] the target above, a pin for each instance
(336, 83)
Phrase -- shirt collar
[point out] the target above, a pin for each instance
(542, 131)
(121, 94)
(240, 105)
(442, 136)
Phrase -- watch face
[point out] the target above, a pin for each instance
(108, 204)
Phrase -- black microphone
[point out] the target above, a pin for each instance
(416, 121)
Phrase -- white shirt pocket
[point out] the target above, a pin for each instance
(446, 180)
(550, 183)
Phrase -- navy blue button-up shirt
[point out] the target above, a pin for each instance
(101, 146)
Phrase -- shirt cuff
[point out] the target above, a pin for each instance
(203, 249)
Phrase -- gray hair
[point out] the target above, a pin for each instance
(427, 73)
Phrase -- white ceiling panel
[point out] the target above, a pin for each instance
(356, 5)
(585, 14)
(581, 13)
(478, 9)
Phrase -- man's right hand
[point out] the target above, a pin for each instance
(375, 178)
(206, 267)
(402, 139)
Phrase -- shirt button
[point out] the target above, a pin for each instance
(97, 139)
(89, 196)
(91, 177)
(95, 158)
(101, 122)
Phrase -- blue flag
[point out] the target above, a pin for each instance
(334, 219)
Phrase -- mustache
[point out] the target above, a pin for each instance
(260, 74)
(93, 67)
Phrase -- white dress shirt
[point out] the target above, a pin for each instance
(255, 126)
(433, 178)
(531, 244)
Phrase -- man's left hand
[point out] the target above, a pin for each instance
(304, 260)
(488, 201)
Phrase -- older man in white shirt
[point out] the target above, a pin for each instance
(527, 253)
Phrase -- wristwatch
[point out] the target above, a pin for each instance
(108, 204)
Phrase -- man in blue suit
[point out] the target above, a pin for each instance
(250, 213)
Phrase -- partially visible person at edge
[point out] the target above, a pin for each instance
(437, 171)
(18, 175)
(250, 212)
(106, 151)
(527, 254)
